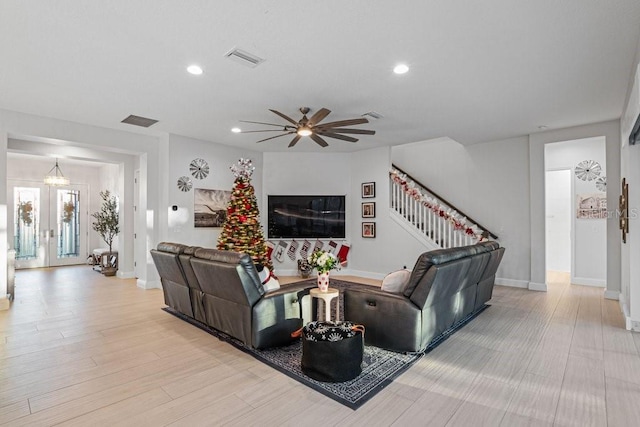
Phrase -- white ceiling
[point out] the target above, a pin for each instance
(480, 70)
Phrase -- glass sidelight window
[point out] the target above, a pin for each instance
(26, 229)
(68, 223)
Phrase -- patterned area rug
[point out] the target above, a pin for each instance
(379, 367)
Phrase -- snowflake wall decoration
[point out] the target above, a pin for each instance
(184, 183)
(588, 170)
(199, 168)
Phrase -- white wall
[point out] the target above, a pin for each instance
(589, 235)
(293, 173)
(4, 139)
(630, 159)
(490, 182)
(392, 248)
(182, 151)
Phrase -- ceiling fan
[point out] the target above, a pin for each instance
(312, 128)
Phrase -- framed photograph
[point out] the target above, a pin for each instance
(369, 210)
(210, 207)
(368, 229)
(368, 190)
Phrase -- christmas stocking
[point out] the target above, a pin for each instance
(343, 252)
(293, 248)
(270, 247)
(332, 247)
(282, 246)
(318, 245)
(304, 251)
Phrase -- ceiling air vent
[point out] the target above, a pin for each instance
(372, 115)
(244, 58)
(139, 121)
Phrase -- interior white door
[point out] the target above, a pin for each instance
(49, 224)
(558, 219)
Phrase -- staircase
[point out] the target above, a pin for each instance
(429, 217)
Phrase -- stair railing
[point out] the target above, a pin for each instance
(432, 215)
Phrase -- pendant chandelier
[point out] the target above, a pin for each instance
(55, 177)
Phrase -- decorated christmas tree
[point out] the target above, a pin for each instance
(242, 231)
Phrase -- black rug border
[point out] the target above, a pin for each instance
(303, 379)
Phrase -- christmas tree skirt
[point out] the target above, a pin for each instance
(379, 368)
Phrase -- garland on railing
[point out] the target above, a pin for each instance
(451, 215)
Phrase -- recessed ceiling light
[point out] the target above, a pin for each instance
(236, 130)
(194, 69)
(401, 69)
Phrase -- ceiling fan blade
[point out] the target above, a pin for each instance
(318, 117)
(294, 141)
(265, 130)
(358, 131)
(278, 136)
(284, 116)
(341, 123)
(338, 136)
(263, 123)
(321, 142)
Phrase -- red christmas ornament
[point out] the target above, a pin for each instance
(230, 210)
(243, 218)
(247, 206)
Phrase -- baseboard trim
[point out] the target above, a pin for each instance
(540, 287)
(624, 307)
(152, 284)
(126, 274)
(614, 295)
(585, 281)
(513, 283)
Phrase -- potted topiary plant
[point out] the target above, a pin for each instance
(107, 225)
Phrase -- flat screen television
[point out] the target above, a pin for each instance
(312, 217)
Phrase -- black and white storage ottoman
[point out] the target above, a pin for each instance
(332, 351)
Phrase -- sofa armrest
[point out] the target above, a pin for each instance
(391, 321)
(302, 288)
(276, 315)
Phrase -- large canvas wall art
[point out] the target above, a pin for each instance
(210, 207)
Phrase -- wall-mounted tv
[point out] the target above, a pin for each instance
(313, 217)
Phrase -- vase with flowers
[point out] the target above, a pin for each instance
(323, 262)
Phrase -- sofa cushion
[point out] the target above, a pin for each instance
(396, 281)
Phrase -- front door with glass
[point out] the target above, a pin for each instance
(49, 224)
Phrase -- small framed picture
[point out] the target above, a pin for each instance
(368, 229)
(368, 190)
(369, 210)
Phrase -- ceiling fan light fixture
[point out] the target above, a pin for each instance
(304, 131)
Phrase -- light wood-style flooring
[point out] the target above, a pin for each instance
(77, 348)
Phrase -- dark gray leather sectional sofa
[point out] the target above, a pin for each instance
(445, 286)
(222, 290)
